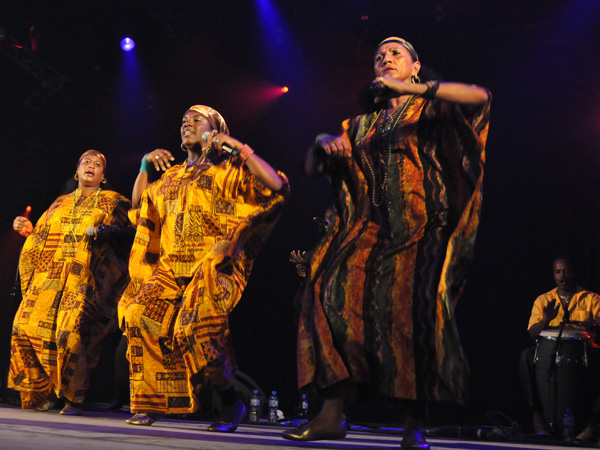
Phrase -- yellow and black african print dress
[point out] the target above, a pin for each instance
(379, 307)
(199, 231)
(71, 286)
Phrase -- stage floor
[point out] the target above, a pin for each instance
(26, 429)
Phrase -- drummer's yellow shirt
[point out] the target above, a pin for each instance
(584, 307)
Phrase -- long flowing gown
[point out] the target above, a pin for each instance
(199, 231)
(71, 286)
(379, 307)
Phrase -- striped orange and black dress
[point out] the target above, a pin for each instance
(379, 305)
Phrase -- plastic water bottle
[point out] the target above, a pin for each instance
(568, 425)
(273, 406)
(304, 407)
(254, 406)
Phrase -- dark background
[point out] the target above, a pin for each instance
(70, 88)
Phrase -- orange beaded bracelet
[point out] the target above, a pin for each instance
(245, 152)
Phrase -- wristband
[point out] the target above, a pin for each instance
(245, 152)
(319, 137)
(431, 91)
(144, 166)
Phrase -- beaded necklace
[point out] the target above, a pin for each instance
(74, 227)
(377, 199)
(190, 162)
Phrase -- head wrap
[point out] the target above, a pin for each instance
(404, 43)
(214, 118)
(95, 153)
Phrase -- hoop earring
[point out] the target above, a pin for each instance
(415, 79)
(103, 180)
(183, 148)
(76, 177)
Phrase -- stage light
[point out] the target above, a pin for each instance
(284, 89)
(127, 44)
(277, 42)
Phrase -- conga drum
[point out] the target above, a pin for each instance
(563, 375)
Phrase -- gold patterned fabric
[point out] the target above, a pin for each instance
(71, 286)
(199, 230)
(379, 305)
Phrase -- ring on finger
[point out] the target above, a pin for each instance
(156, 157)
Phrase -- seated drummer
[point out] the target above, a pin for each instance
(580, 310)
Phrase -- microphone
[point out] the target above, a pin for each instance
(378, 89)
(567, 315)
(322, 222)
(224, 147)
(90, 230)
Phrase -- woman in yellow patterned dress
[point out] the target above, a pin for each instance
(199, 229)
(71, 279)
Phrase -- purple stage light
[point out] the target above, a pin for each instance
(127, 44)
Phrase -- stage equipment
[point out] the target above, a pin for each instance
(562, 370)
(127, 44)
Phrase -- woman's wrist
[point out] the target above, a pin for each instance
(245, 152)
(144, 166)
(432, 87)
(319, 137)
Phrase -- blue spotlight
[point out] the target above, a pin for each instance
(127, 44)
(278, 41)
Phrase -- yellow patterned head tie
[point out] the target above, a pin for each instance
(404, 43)
(95, 153)
(214, 118)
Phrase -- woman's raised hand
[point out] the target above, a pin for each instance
(336, 146)
(161, 159)
(218, 140)
(23, 225)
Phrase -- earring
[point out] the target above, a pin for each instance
(415, 79)
(103, 180)
(183, 148)
(76, 177)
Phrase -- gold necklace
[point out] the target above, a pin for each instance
(566, 299)
(385, 162)
(74, 227)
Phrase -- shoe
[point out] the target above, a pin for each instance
(143, 419)
(590, 434)
(414, 441)
(72, 409)
(115, 405)
(539, 426)
(305, 433)
(238, 409)
(46, 406)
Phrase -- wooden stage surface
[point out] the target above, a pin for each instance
(99, 430)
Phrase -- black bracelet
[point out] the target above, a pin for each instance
(432, 87)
